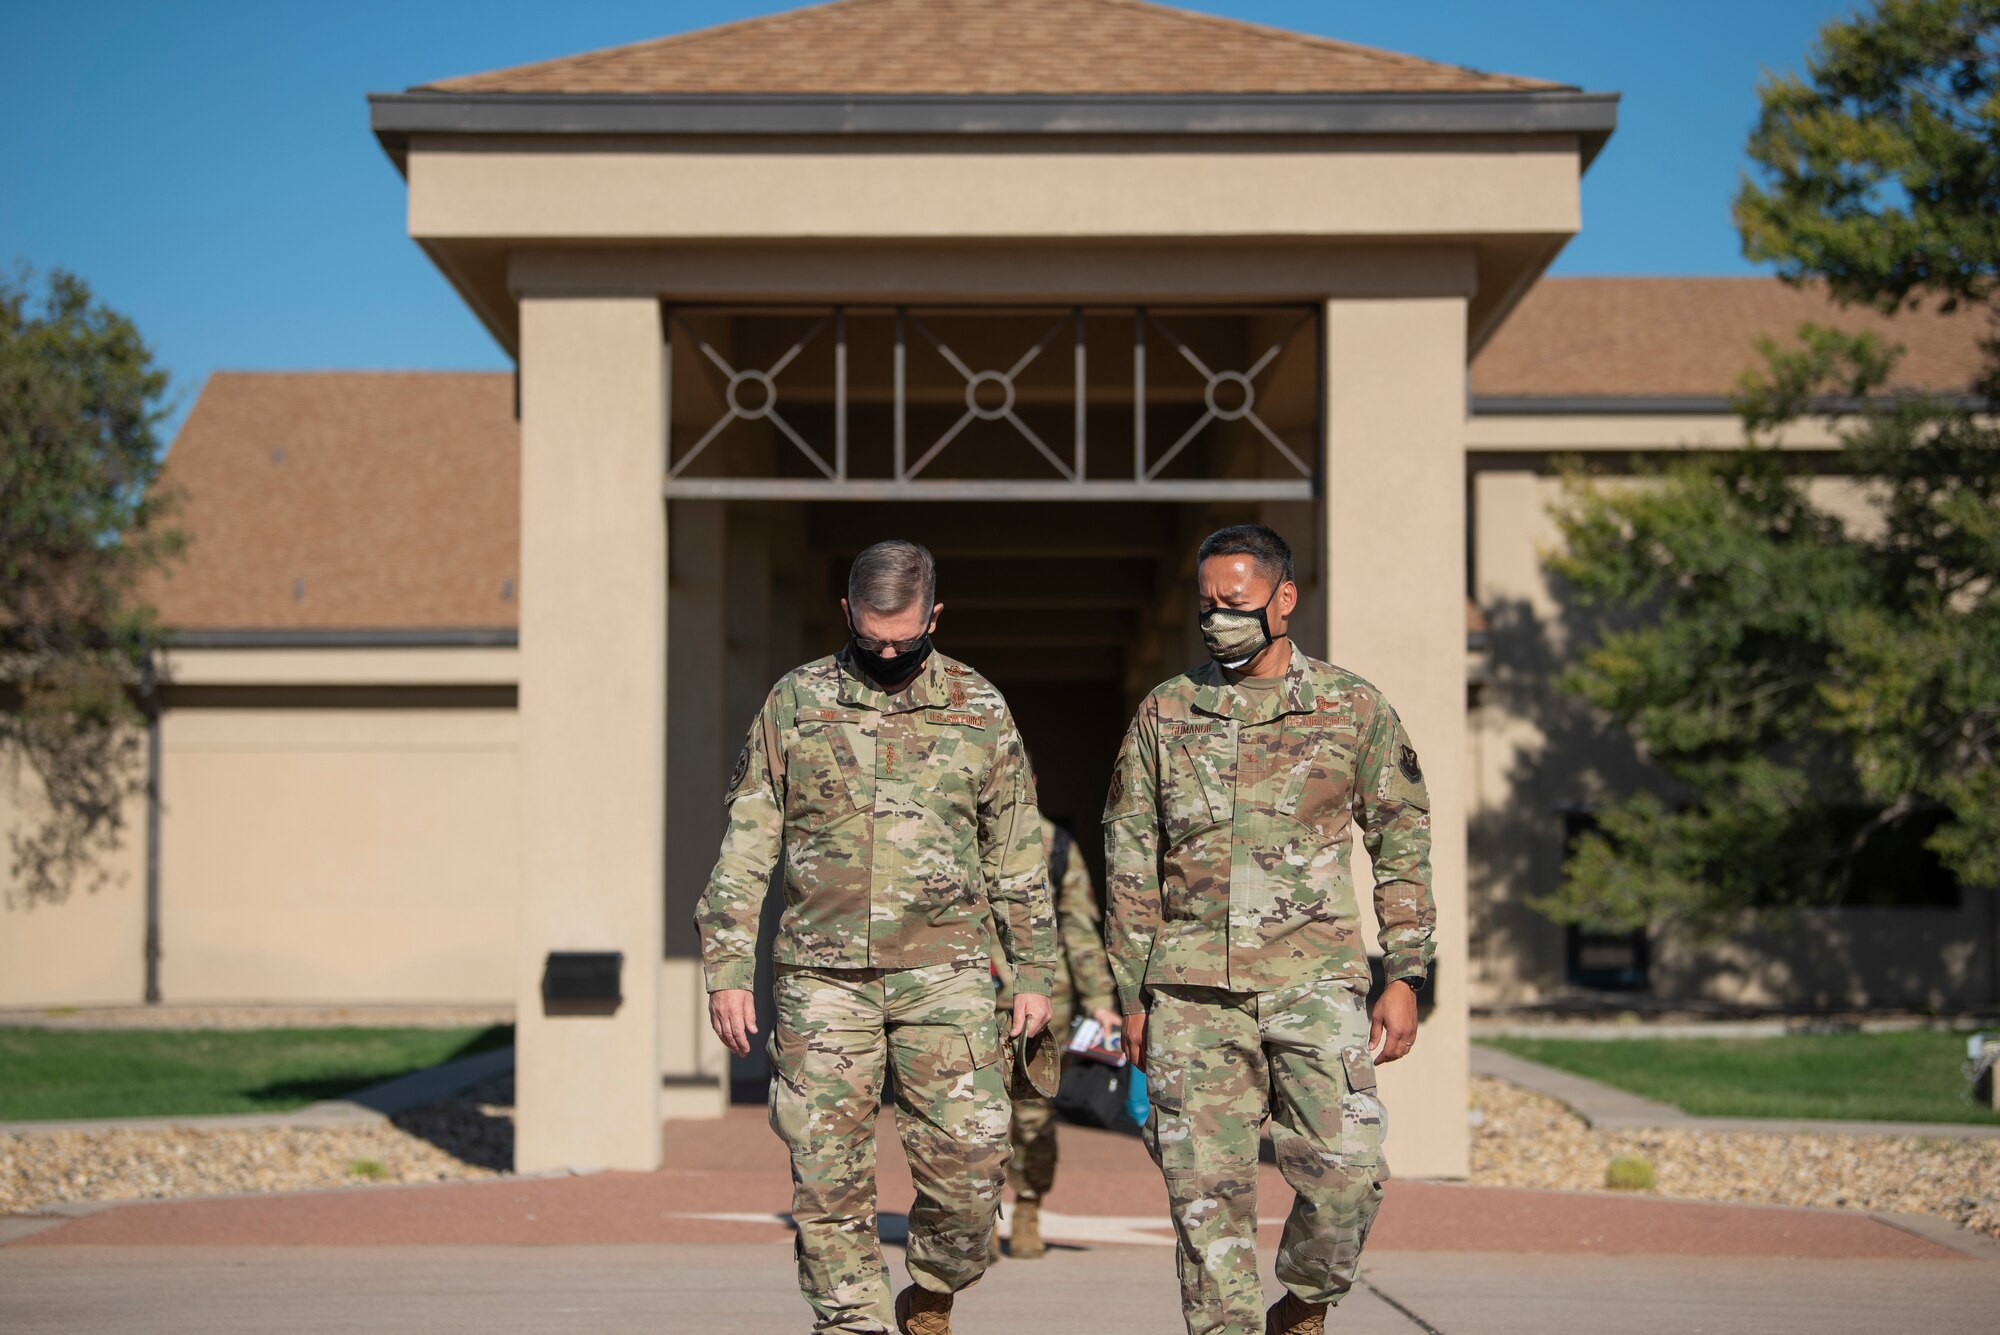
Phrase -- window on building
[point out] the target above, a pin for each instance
(1602, 961)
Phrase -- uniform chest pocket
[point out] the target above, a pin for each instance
(823, 782)
(1317, 789)
(1197, 783)
(946, 764)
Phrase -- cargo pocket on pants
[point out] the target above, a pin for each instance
(1169, 1130)
(988, 1111)
(787, 1051)
(955, 1083)
(1364, 1120)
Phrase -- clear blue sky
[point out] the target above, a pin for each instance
(208, 168)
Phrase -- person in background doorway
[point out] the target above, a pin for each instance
(1082, 986)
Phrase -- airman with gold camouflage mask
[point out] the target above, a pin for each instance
(1235, 939)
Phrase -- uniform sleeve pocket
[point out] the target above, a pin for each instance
(1403, 773)
(1360, 1070)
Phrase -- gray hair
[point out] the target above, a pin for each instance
(891, 576)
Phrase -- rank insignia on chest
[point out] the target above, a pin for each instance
(1333, 711)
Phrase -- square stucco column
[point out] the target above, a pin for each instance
(1395, 581)
(593, 701)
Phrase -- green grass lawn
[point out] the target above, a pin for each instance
(62, 1073)
(1903, 1077)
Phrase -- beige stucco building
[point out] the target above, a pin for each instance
(463, 659)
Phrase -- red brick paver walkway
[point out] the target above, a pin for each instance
(726, 1182)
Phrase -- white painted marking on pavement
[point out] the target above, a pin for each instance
(1137, 1230)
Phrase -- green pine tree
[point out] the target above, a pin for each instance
(80, 521)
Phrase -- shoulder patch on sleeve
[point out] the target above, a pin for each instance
(1406, 761)
(736, 775)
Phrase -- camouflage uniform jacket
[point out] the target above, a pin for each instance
(905, 821)
(1229, 825)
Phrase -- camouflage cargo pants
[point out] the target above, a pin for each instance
(1217, 1064)
(1032, 1170)
(836, 1031)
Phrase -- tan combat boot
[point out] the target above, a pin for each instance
(921, 1312)
(1289, 1316)
(1027, 1241)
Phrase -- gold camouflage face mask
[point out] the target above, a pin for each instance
(1234, 636)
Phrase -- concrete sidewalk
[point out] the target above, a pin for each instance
(1106, 1290)
(703, 1246)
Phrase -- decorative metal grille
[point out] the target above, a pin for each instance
(999, 375)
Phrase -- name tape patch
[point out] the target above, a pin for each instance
(956, 717)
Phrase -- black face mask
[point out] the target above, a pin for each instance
(888, 671)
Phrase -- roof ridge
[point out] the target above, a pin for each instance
(1312, 39)
(781, 18)
(792, 18)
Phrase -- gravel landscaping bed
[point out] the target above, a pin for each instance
(471, 1136)
(1522, 1139)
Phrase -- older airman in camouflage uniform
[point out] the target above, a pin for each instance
(1235, 939)
(906, 818)
(1082, 983)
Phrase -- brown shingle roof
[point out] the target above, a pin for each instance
(1596, 337)
(346, 499)
(986, 47)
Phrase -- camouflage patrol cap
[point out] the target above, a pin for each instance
(1034, 1065)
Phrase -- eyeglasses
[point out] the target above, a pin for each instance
(889, 648)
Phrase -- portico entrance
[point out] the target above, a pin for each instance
(1061, 462)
